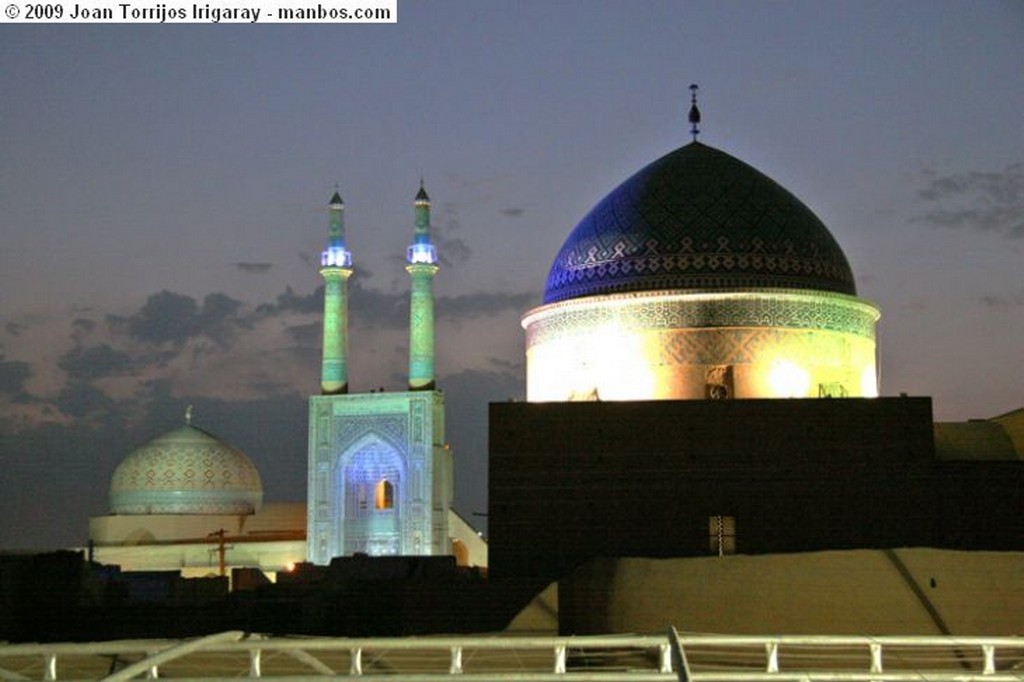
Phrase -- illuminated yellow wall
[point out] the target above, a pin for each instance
(677, 345)
(272, 540)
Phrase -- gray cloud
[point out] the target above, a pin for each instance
(390, 310)
(482, 304)
(267, 387)
(512, 212)
(95, 362)
(452, 250)
(217, 309)
(253, 268)
(13, 375)
(516, 368)
(80, 399)
(289, 301)
(306, 335)
(164, 317)
(81, 327)
(168, 317)
(983, 201)
(14, 328)
(375, 308)
(994, 301)
(372, 308)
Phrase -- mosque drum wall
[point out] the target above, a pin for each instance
(692, 345)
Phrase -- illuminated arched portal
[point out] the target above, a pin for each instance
(380, 478)
(372, 478)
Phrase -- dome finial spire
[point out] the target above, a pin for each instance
(422, 197)
(694, 112)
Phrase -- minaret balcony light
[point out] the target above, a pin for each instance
(421, 253)
(336, 257)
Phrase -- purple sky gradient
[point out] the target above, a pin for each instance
(163, 191)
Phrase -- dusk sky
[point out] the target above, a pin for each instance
(163, 197)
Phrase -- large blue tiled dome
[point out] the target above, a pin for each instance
(698, 219)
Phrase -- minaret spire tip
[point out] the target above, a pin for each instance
(694, 112)
(336, 199)
(422, 196)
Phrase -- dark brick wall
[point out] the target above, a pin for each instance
(980, 505)
(571, 481)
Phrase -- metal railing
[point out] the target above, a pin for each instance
(700, 658)
(825, 658)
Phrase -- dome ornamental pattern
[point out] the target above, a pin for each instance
(698, 219)
(186, 471)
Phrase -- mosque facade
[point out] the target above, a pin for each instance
(380, 472)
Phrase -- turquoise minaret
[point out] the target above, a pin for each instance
(336, 268)
(421, 259)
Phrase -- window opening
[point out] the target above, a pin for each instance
(722, 535)
(832, 389)
(384, 497)
(718, 383)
